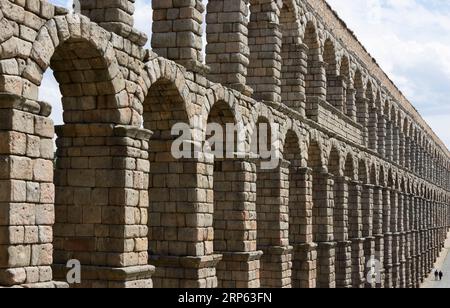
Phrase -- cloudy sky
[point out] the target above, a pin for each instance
(410, 39)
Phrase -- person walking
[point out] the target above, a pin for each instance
(441, 274)
(436, 275)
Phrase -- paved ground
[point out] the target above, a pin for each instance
(443, 264)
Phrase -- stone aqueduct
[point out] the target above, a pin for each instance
(361, 174)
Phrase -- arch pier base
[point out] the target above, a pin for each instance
(185, 272)
(101, 178)
(240, 269)
(304, 265)
(181, 223)
(276, 267)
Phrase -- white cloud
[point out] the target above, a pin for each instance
(411, 41)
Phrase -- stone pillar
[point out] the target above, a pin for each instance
(235, 228)
(395, 239)
(378, 231)
(373, 129)
(336, 92)
(272, 207)
(343, 262)
(101, 178)
(316, 82)
(407, 151)
(425, 262)
(422, 240)
(416, 242)
(367, 201)
(177, 32)
(401, 227)
(351, 102)
(26, 193)
(412, 155)
(355, 234)
(114, 16)
(401, 149)
(227, 52)
(404, 220)
(181, 223)
(304, 263)
(381, 134)
(293, 70)
(323, 229)
(362, 115)
(387, 237)
(388, 140)
(429, 262)
(265, 39)
(409, 213)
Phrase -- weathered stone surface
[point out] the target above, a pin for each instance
(357, 173)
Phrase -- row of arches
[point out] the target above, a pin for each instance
(122, 200)
(309, 205)
(287, 56)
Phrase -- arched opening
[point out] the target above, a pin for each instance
(388, 132)
(395, 134)
(234, 218)
(403, 208)
(170, 182)
(292, 70)
(403, 131)
(80, 164)
(339, 212)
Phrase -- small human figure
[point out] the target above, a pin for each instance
(441, 274)
(436, 275)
